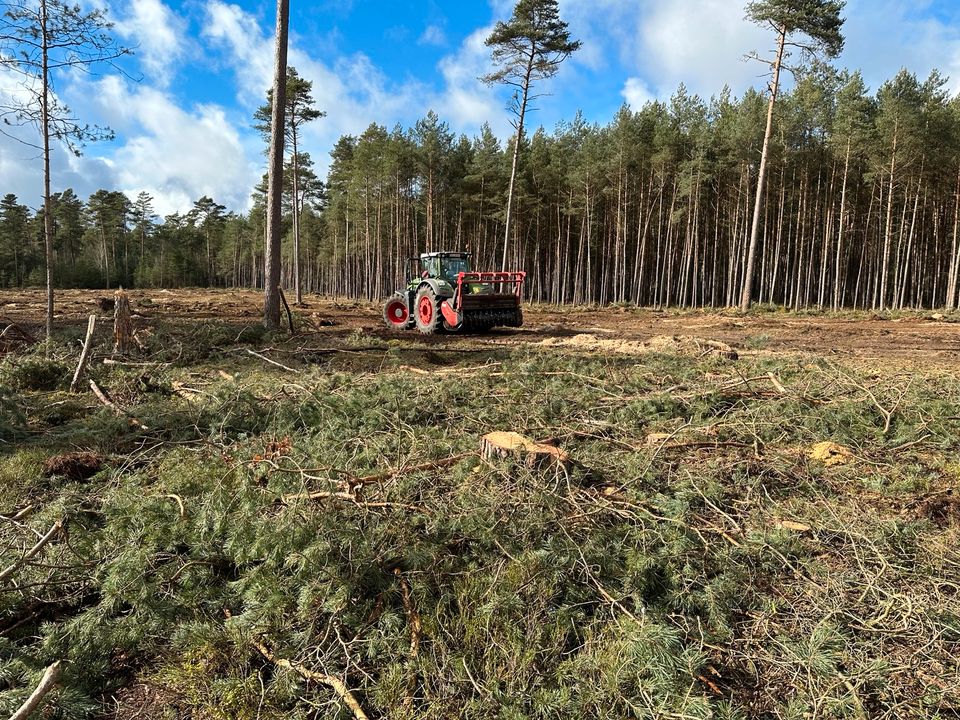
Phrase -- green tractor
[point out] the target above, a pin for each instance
(445, 295)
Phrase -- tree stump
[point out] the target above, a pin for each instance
(529, 452)
(122, 324)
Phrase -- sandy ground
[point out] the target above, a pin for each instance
(915, 339)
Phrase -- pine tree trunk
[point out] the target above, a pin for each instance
(951, 300)
(888, 230)
(516, 154)
(842, 228)
(271, 301)
(47, 205)
(296, 218)
(755, 226)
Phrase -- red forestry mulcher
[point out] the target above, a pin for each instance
(445, 295)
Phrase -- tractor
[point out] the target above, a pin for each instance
(445, 295)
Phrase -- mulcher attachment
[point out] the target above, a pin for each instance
(483, 300)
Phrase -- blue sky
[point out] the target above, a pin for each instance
(184, 129)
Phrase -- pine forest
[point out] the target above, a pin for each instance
(861, 208)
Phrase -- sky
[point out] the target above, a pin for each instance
(182, 108)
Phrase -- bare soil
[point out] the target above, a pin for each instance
(909, 339)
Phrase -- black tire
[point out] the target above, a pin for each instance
(428, 323)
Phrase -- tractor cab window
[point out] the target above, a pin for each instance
(431, 267)
(453, 266)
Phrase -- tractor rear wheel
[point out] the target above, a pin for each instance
(426, 311)
(396, 315)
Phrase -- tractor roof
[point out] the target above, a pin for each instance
(424, 256)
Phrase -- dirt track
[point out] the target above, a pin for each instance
(913, 339)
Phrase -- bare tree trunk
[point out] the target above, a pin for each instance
(842, 230)
(296, 221)
(516, 153)
(887, 233)
(271, 300)
(755, 227)
(47, 205)
(950, 303)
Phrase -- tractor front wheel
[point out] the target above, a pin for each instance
(426, 311)
(396, 315)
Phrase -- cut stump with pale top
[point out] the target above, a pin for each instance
(511, 444)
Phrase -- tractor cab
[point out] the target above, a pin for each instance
(445, 266)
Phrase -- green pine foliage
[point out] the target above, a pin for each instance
(654, 577)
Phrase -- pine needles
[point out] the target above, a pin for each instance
(693, 562)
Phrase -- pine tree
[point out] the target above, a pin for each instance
(528, 47)
(14, 224)
(143, 218)
(40, 41)
(813, 26)
(299, 111)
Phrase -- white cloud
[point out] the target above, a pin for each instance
(176, 154)
(465, 101)
(911, 37)
(702, 43)
(159, 36)
(180, 155)
(636, 93)
(249, 50)
(352, 89)
(21, 164)
(433, 35)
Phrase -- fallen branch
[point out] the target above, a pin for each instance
(49, 681)
(85, 353)
(416, 630)
(350, 497)
(286, 307)
(390, 474)
(32, 552)
(20, 514)
(120, 412)
(179, 501)
(272, 362)
(127, 363)
(777, 384)
(24, 335)
(334, 683)
(320, 495)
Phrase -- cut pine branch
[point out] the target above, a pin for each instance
(119, 411)
(32, 552)
(334, 683)
(47, 683)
